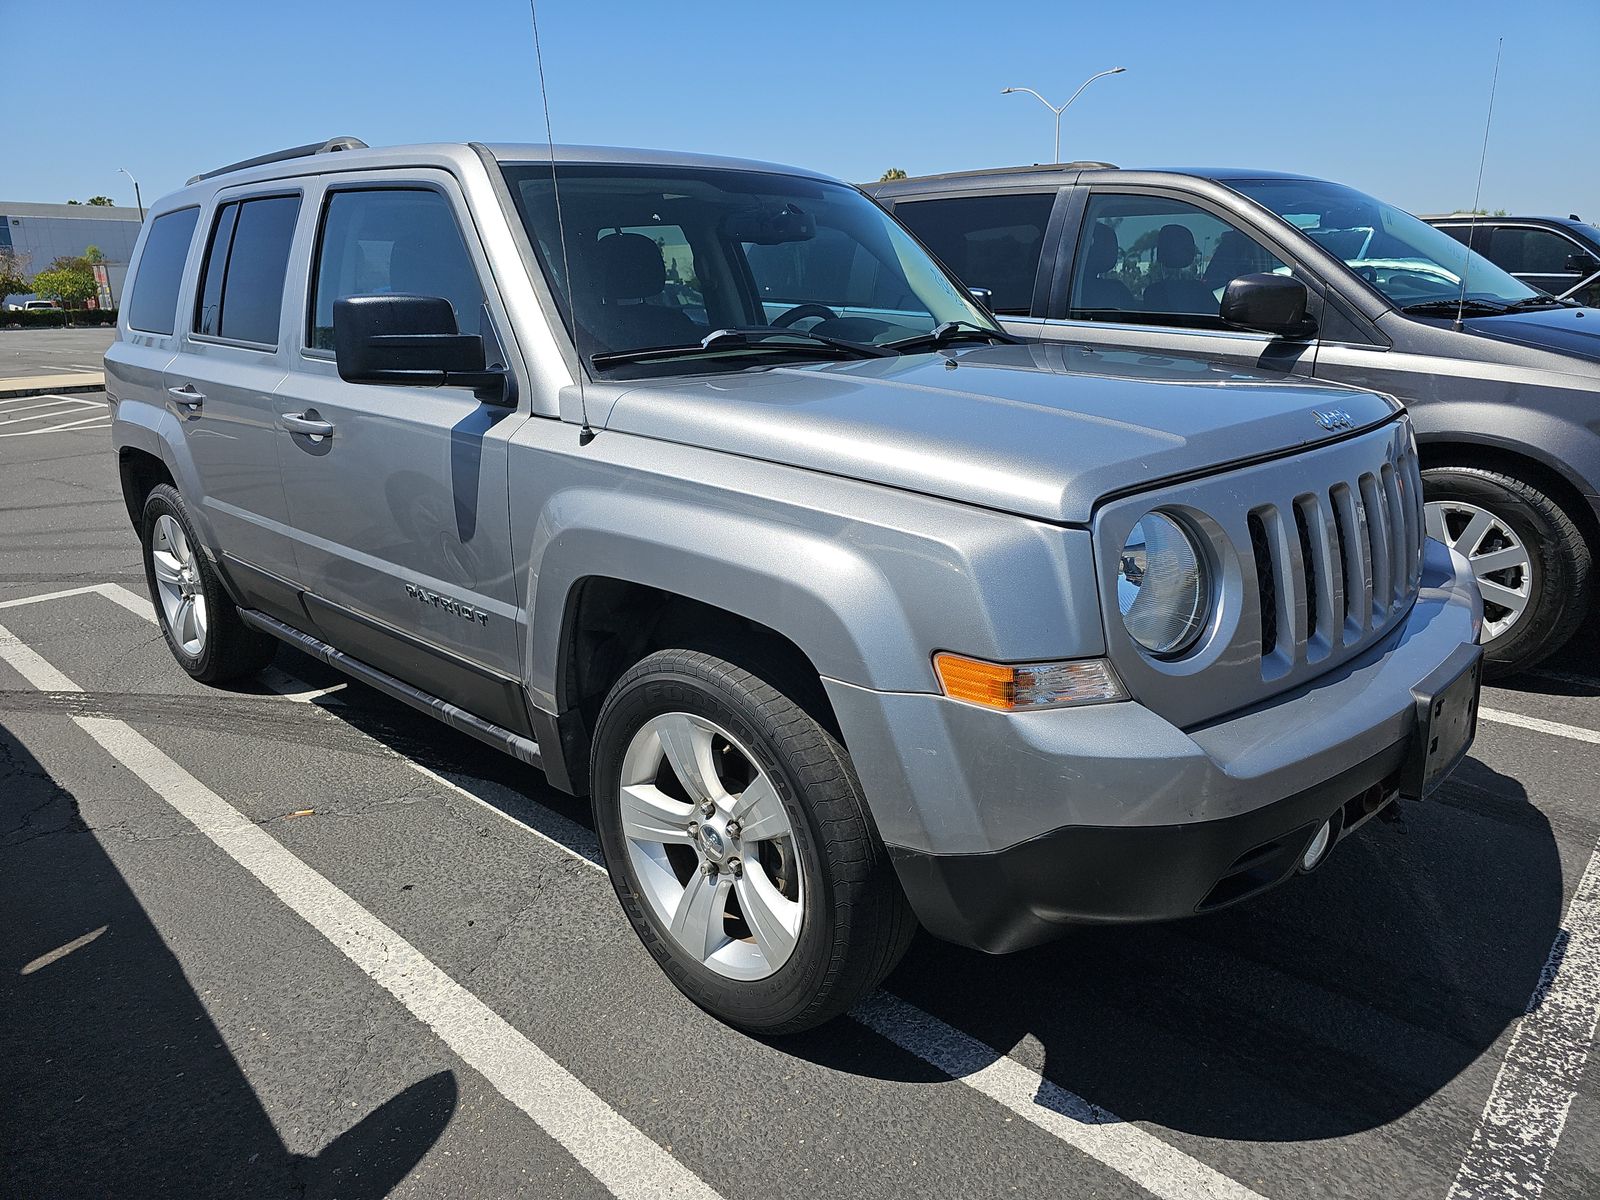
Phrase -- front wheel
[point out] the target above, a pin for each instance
(1531, 561)
(738, 843)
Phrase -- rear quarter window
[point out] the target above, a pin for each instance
(153, 303)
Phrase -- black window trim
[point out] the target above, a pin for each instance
(182, 274)
(367, 184)
(218, 203)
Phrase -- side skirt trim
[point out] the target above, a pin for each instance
(457, 718)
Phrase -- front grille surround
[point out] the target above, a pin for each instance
(1318, 556)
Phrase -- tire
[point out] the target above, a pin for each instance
(1553, 585)
(824, 879)
(210, 642)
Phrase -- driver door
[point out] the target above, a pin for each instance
(399, 510)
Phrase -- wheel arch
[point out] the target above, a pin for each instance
(1554, 481)
(608, 624)
(140, 471)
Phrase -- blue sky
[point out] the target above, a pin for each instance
(1389, 97)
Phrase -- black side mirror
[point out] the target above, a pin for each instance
(983, 296)
(1582, 264)
(409, 340)
(1273, 304)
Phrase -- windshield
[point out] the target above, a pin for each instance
(665, 256)
(1408, 260)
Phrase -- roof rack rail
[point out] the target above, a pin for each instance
(332, 145)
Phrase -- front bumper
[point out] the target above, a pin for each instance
(1006, 827)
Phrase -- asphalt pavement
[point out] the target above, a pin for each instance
(293, 939)
(29, 352)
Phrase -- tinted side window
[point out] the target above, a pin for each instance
(1530, 251)
(401, 240)
(153, 306)
(241, 287)
(1165, 260)
(990, 242)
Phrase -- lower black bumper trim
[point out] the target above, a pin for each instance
(1030, 893)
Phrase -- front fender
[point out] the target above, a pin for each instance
(867, 581)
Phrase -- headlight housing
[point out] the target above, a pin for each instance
(1163, 585)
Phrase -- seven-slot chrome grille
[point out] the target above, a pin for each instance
(1337, 564)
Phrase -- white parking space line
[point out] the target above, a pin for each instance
(618, 1155)
(9, 410)
(1161, 1169)
(1141, 1157)
(1538, 724)
(40, 598)
(1533, 1093)
(98, 417)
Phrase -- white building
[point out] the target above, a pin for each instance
(42, 233)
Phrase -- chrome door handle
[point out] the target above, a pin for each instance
(186, 395)
(299, 423)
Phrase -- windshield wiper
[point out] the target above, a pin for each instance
(951, 331)
(768, 341)
(1448, 308)
(1528, 302)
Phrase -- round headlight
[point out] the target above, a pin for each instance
(1162, 587)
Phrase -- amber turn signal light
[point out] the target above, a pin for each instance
(1012, 687)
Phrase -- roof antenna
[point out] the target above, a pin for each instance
(1472, 226)
(585, 431)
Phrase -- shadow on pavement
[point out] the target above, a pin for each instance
(116, 1081)
(1330, 1006)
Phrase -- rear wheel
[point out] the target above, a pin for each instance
(1531, 561)
(199, 621)
(738, 843)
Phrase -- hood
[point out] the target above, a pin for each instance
(1042, 430)
(1574, 331)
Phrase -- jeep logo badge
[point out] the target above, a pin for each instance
(1332, 419)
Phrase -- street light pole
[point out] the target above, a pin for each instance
(139, 200)
(1067, 105)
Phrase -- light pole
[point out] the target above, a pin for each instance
(139, 200)
(1067, 105)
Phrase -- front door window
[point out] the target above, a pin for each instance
(1150, 260)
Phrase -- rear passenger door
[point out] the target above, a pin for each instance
(399, 510)
(220, 386)
(1146, 269)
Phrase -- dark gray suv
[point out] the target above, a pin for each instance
(1288, 273)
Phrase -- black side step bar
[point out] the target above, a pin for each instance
(514, 744)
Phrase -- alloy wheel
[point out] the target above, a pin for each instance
(711, 844)
(1499, 559)
(183, 600)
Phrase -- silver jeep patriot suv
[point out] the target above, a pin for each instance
(699, 485)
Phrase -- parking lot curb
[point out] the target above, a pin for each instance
(51, 385)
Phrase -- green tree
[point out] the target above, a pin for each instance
(102, 201)
(93, 254)
(13, 274)
(892, 173)
(71, 286)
